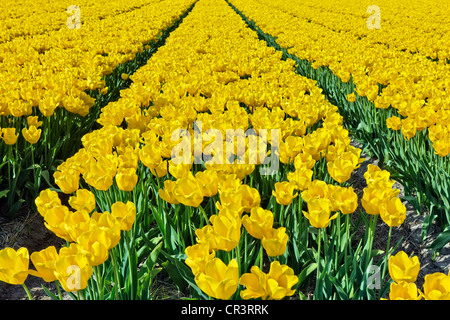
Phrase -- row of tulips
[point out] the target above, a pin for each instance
(63, 77)
(393, 99)
(218, 227)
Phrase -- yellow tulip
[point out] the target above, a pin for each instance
(54, 221)
(274, 242)
(124, 213)
(319, 211)
(76, 223)
(345, 199)
(9, 135)
(436, 286)
(83, 200)
(187, 191)
(107, 222)
(300, 178)
(197, 256)
(32, 134)
(284, 192)
(208, 181)
(72, 270)
(126, 179)
(167, 193)
(94, 244)
(67, 180)
(47, 199)
(226, 231)
(404, 291)
(403, 268)
(393, 212)
(281, 278)
(219, 280)
(44, 262)
(34, 121)
(408, 128)
(255, 284)
(259, 222)
(394, 123)
(351, 97)
(250, 197)
(14, 265)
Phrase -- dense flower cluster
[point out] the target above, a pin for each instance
(50, 67)
(392, 57)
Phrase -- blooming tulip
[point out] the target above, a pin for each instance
(403, 268)
(219, 280)
(14, 265)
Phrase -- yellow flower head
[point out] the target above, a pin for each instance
(259, 222)
(274, 242)
(219, 280)
(319, 211)
(14, 265)
(436, 287)
(83, 200)
(44, 262)
(403, 268)
(284, 192)
(124, 213)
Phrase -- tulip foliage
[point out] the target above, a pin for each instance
(218, 166)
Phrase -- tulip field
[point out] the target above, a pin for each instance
(209, 146)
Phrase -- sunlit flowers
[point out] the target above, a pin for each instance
(14, 265)
(403, 268)
(436, 287)
(284, 192)
(275, 285)
(319, 212)
(219, 280)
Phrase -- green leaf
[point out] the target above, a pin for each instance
(49, 293)
(3, 193)
(441, 240)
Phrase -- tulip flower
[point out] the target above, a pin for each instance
(47, 199)
(393, 212)
(284, 192)
(14, 265)
(319, 212)
(124, 213)
(44, 262)
(274, 242)
(404, 291)
(94, 244)
(436, 286)
(197, 256)
(54, 221)
(67, 180)
(126, 179)
(408, 128)
(300, 178)
(351, 97)
(83, 200)
(72, 270)
(255, 284)
(345, 199)
(187, 191)
(167, 193)
(403, 268)
(208, 182)
(259, 222)
(32, 134)
(9, 135)
(219, 280)
(394, 123)
(250, 197)
(227, 231)
(280, 282)
(107, 222)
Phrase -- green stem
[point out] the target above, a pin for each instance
(30, 297)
